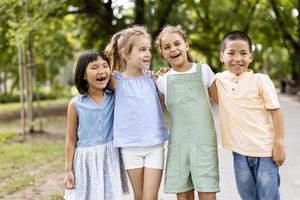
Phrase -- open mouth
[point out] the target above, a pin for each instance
(146, 61)
(175, 55)
(237, 65)
(101, 79)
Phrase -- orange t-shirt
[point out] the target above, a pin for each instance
(244, 101)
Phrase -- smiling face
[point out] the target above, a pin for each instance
(97, 74)
(140, 54)
(174, 49)
(236, 56)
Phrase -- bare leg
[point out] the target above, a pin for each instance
(207, 195)
(186, 195)
(152, 179)
(136, 177)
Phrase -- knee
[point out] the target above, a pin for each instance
(138, 195)
(150, 197)
(186, 195)
(207, 195)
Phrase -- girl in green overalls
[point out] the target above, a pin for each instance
(192, 161)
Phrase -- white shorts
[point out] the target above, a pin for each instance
(139, 157)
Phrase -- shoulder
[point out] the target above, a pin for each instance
(223, 74)
(163, 77)
(72, 106)
(204, 66)
(261, 78)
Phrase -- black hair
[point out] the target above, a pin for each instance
(236, 35)
(84, 59)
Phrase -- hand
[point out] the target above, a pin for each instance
(278, 153)
(163, 70)
(69, 180)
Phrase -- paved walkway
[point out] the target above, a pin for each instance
(290, 172)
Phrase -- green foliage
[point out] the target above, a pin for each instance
(6, 136)
(60, 30)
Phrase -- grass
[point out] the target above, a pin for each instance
(16, 106)
(19, 160)
(16, 183)
(26, 164)
(58, 195)
(6, 136)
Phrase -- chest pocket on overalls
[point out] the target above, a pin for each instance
(179, 92)
(186, 92)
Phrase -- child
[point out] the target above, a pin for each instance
(139, 128)
(192, 162)
(92, 168)
(246, 100)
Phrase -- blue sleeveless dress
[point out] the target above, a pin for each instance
(96, 164)
(138, 117)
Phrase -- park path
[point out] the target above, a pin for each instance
(290, 171)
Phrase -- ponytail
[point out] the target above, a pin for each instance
(112, 52)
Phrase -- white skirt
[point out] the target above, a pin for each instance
(99, 174)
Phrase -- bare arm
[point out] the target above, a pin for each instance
(161, 98)
(71, 139)
(213, 93)
(112, 83)
(278, 153)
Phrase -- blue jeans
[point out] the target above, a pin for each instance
(257, 178)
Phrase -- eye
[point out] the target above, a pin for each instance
(94, 67)
(166, 47)
(142, 49)
(177, 43)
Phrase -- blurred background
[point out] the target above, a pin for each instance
(40, 41)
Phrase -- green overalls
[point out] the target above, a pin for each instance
(192, 160)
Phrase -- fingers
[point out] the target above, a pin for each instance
(279, 163)
(162, 71)
(69, 184)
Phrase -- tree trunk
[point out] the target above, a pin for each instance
(5, 83)
(139, 12)
(21, 59)
(30, 84)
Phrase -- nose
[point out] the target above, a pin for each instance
(172, 47)
(237, 57)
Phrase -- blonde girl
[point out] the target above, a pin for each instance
(139, 128)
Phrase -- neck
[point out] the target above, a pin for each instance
(133, 71)
(96, 95)
(184, 67)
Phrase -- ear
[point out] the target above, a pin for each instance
(221, 57)
(251, 57)
(123, 53)
(187, 46)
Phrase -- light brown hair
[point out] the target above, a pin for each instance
(172, 29)
(123, 40)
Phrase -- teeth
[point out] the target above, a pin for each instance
(174, 56)
(101, 78)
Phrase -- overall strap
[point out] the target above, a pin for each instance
(199, 67)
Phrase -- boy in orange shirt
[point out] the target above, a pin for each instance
(246, 100)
